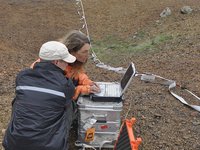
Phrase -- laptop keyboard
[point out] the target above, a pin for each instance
(111, 90)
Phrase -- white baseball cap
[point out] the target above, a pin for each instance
(54, 50)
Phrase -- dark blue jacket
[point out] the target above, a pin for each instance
(42, 110)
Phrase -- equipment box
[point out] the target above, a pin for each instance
(103, 118)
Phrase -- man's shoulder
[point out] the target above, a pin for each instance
(25, 71)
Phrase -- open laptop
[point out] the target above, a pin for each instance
(113, 91)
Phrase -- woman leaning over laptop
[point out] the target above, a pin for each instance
(78, 45)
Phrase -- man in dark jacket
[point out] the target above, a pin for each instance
(42, 109)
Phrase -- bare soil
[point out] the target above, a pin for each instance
(163, 122)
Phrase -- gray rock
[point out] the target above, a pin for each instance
(166, 12)
(186, 10)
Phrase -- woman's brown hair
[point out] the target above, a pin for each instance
(75, 40)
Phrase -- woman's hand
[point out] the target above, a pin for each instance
(94, 88)
(86, 89)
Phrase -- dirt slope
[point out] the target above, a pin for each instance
(162, 121)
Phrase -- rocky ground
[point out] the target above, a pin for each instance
(163, 122)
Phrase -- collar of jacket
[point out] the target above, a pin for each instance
(48, 66)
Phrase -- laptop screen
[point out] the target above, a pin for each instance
(130, 72)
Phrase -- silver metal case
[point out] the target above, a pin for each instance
(103, 116)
